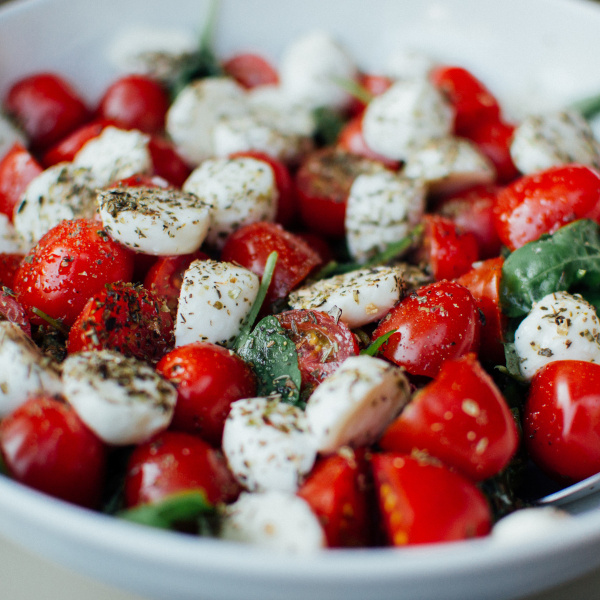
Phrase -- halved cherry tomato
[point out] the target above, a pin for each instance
(166, 162)
(437, 322)
(208, 379)
(424, 502)
(12, 310)
(174, 462)
(17, 169)
(251, 70)
(46, 446)
(9, 265)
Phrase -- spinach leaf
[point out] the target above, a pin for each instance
(570, 257)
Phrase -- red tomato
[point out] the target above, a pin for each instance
(46, 107)
(166, 162)
(461, 418)
(251, 245)
(561, 420)
(208, 379)
(135, 102)
(176, 462)
(318, 244)
(422, 502)
(372, 85)
(12, 310)
(126, 318)
(336, 490)
(251, 70)
(437, 322)
(543, 202)
(46, 446)
(17, 169)
(483, 281)
(322, 343)
(9, 265)
(69, 264)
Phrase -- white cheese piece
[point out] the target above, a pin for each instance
(24, 371)
(364, 296)
(154, 220)
(10, 242)
(266, 444)
(354, 405)
(215, 299)
(275, 520)
(122, 400)
(9, 135)
(408, 64)
(195, 112)
(406, 116)
(526, 524)
(240, 190)
(382, 208)
(553, 139)
(560, 326)
(448, 165)
(64, 191)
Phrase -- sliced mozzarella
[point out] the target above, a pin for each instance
(408, 64)
(449, 164)
(122, 400)
(275, 520)
(240, 191)
(553, 139)
(154, 220)
(115, 154)
(406, 116)
(266, 444)
(195, 112)
(560, 326)
(215, 299)
(363, 296)
(24, 371)
(9, 135)
(523, 525)
(354, 405)
(382, 208)
(10, 242)
(311, 68)
(64, 191)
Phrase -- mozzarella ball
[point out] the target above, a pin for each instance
(528, 523)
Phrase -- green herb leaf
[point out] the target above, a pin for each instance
(588, 107)
(373, 348)
(328, 125)
(360, 92)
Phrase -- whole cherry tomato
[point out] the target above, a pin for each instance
(251, 70)
(166, 162)
(17, 169)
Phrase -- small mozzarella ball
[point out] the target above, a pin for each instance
(240, 190)
(115, 154)
(195, 112)
(10, 242)
(382, 208)
(408, 64)
(553, 139)
(560, 326)
(24, 371)
(266, 444)
(63, 192)
(122, 400)
(529, 523)
(214, 302)
(154, 220)
(275, 520)
(354, 405)
(310, 68)
(449, 164)
(406, 116)
(9, 135)
(364, 296)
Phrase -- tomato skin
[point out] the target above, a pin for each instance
(174, 462)
(46, 107)
(17, 169)
(166, 162)
(9, 265)
(12, 310)
(46, 446)
(435, 323)
(561, 419)
(422, 502)
(251, 70)
(69, 264)
(208, 379)
(545, 201)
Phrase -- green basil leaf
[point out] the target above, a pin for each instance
(373, 348)
(328, 125)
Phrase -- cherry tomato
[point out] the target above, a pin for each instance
(251, 245)
(561, 420)
(9, 265)
(208, 379)
(17, 169)
(319, 244)
(69, 264)
(437, 322)
(545, 201)
(251, 70)
(175, 462)
(166, 162)
(126, 318)
(12, 310)
(460, 418)
(322, 342)
(423, 502)
(46, 107)
(46, 446)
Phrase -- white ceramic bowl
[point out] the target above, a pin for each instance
(530, 53)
